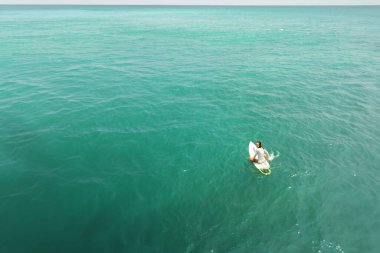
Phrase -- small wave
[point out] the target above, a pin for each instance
(326, 245)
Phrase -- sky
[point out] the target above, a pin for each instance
(198, 2)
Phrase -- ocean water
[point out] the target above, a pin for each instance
(125, 129)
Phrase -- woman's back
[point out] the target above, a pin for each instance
(260, 155)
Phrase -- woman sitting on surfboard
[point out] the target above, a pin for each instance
(261, 155)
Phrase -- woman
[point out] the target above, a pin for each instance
(261, 155)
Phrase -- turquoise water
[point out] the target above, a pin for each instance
(125, 129)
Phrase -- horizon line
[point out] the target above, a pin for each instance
(206, 5)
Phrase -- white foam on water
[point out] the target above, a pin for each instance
(272, 155)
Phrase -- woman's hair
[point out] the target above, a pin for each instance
(259, 142)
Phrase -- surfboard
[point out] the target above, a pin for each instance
(264, 167)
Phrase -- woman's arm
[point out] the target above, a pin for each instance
(266, 155)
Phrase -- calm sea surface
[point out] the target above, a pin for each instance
(125, 129)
